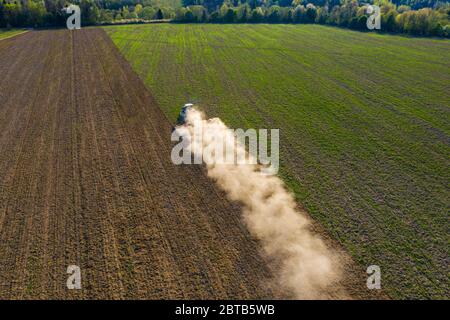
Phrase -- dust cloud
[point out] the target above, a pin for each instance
(305, 267)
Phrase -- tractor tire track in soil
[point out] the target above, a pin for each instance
(86, 179)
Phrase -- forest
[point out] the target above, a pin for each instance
(414, 17)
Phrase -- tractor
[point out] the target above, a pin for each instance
(183, 113)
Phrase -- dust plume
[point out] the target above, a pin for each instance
(306, 269)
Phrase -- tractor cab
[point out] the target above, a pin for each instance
(182, 116)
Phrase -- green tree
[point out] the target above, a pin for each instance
(257, 15)
(159, 15)
(138, 9)
(106, 16)
(243, 13)
(299, 15)
(189, 16)
(274, 15)
(204, 16)
(11, 13)
(388, 21)
(230, 16)
(147, 13)
(36, 13)
(311, 13)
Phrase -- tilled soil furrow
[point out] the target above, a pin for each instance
(21, 216)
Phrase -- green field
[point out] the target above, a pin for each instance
(9, 33)
(364, 122)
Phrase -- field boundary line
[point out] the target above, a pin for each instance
(15, 35)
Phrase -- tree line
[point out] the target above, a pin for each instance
(415, 17)
(50, 13)
(395, 18)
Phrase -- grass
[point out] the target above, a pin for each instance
(7, 33)
(364, 122)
